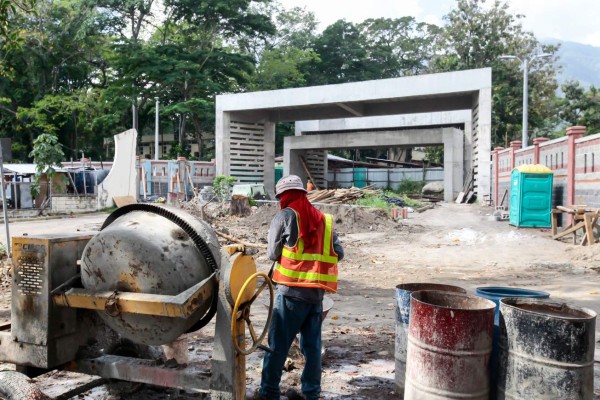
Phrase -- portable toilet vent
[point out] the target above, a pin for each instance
(531, 196)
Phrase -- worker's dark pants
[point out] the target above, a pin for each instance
(291, 317)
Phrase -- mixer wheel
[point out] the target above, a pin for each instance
(241, 311)
(17, 386)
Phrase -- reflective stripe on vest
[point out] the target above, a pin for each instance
(309, 269)
(325, 256)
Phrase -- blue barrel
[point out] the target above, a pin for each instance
(496, 293)
(403, 292)
(546, 351)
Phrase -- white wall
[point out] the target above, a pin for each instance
(122, 178)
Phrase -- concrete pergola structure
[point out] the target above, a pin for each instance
(245, 122)
(449, 128)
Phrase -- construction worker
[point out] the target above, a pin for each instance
(309, 186)
(306, 250)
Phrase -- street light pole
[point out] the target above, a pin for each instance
(525, 123)
(525, 64)
(156, 132)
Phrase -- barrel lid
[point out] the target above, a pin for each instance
(505, 291)
(533, 169)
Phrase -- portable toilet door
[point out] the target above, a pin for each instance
(531, 196)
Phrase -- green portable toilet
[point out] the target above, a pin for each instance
(531, 196)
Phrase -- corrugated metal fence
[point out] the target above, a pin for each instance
(381, 177)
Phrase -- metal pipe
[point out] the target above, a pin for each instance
(525, 103)
(4, 210)
(156, 131)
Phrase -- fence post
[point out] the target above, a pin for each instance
(536, 148)
(573, 133)
(496, 173)
(514, 146)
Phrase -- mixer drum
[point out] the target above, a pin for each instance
(151, 249)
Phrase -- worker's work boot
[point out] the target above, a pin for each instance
(292, 394)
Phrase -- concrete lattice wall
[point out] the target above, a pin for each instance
(575, 160)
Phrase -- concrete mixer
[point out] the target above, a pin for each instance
(152, 274)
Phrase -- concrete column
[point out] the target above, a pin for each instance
(468, 148)
(573, 133)
(536, 148)
(269, 172)
(497, 173)
(292, 164)
(453, 158)
(514, 146)
(484, 141)
(222, 127)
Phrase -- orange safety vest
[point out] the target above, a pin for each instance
(311, 267)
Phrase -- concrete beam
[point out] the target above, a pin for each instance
(432, 119)
(356, 110)
(357, 140)
(451, 138)
(432, 85)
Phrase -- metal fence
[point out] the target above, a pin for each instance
(384, 178)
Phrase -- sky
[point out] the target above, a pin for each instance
(567, 20)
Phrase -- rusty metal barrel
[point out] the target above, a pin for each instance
(449, 346)
(546, 350)
(403, 292)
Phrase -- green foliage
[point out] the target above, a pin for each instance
(580, 106)
(222, 186)
(411, 202)
(373, 201)
(409, 186)
(475, 36)
(47, 154)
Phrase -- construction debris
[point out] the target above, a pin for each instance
(236, 240)
(341, 196)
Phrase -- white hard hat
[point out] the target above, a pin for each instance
(287, 183)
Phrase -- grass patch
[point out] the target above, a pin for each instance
(409, 186)
(411, 202)
(373, 201)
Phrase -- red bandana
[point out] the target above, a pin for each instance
(310, 217)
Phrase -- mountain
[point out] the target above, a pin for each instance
(579, 61)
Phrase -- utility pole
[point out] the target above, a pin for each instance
(156, 131)
(4, 206)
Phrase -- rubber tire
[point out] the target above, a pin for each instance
(17, 386)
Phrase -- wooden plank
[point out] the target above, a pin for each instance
(504, 197)
(566, 209)
(555, 215)
(303, 162)
(121, 201)
(460, 197)
(572, 229)
(62, 385)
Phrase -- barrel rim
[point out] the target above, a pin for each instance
(506, 302)
(432, 287)
(519, 292)
(490, 304)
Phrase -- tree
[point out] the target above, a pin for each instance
(47, 154)
(342, 55)
(398, 47)
(580, 106)
(475, 36)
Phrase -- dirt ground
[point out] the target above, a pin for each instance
(451, 244)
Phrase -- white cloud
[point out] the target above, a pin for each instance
(574, 20)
